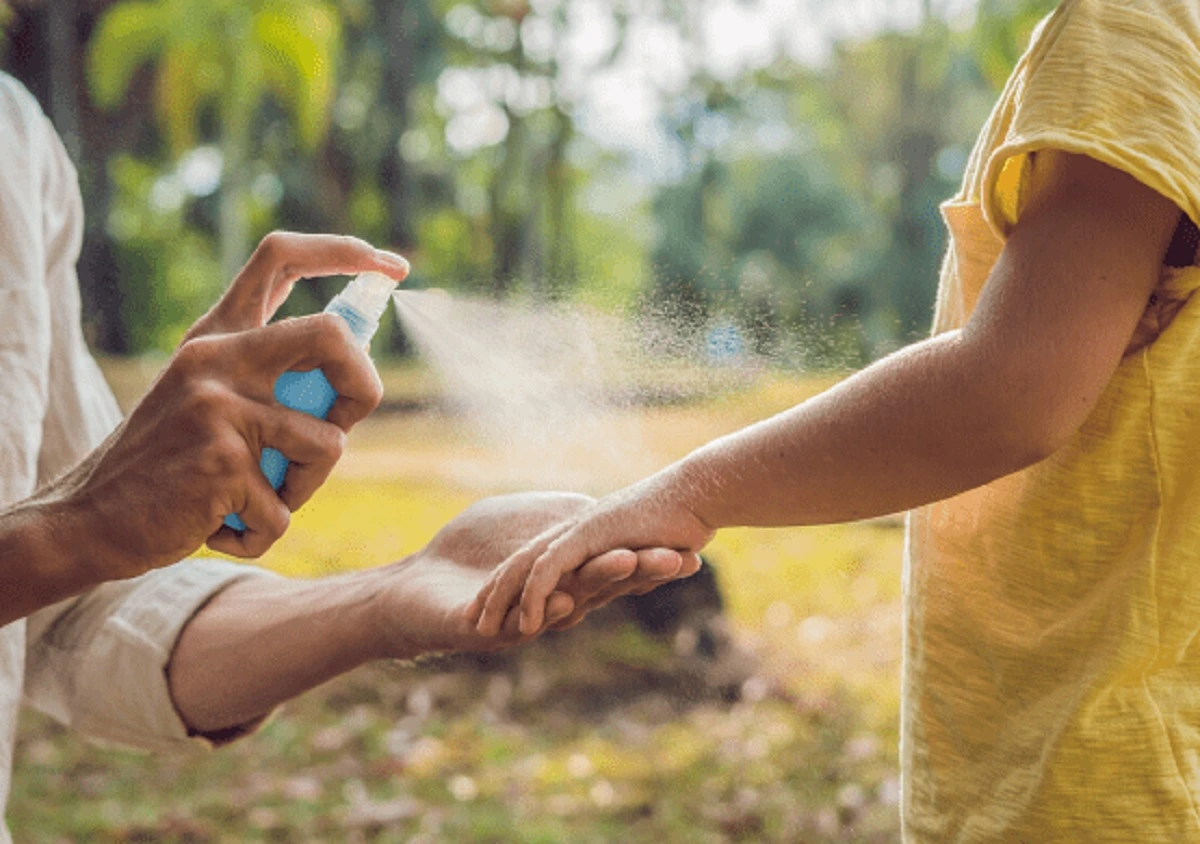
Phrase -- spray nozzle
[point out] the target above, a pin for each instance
(369, 292)
(363, 301)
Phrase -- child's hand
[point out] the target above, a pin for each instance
(591, 586)
(643, 516)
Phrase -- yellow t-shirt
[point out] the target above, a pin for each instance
(1052, 617)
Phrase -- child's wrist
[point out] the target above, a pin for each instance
(688, 487)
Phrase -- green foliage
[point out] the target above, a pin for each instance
(168, 270)
(220, 59)
(802, 203)
(456, 249)
(299, 43)
(1002, 29)
(222, 53)
(127, 36)
(614, 262)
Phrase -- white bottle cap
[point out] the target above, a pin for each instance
(369, 293)
(362, 302)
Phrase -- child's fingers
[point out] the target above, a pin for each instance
(658, 563)
(566, 553)
(690, 564)
(558, 606)
(504, 591)
(598, 572)
(539, 581)
(590, 583)
(510, 630)
(479, 603)
(475, 608)
(478, 606)
(506, 582)
(655, 566)
(580, 612)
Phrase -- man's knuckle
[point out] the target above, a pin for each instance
(374, 390)
(278, 251)
(195, 355)
(330, 334)
(280, 519)
(354, 244)
(199, 402)
(335, 443)
(209, 402)
(221, 459)
(328, 325)
(272, 244)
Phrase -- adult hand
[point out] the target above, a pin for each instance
(422, 603)
(161, 484)
(282, 259)
(646, 515)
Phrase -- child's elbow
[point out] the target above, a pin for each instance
(1032, 434)
(1026, 409)
(1035, 446)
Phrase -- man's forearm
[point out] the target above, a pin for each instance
(43, 549)
(262, 641)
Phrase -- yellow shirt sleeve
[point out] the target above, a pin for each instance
(1115, 80)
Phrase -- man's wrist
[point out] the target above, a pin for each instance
(42, 556)
(83, 532)
(365, 631)
(384, 629)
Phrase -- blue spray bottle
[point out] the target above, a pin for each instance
(360, 304)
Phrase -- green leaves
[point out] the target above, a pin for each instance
(299, 43)
(1002, 33)
(128, 35)
(229, 55)
(219, 60)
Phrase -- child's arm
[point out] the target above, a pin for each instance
(935, 419)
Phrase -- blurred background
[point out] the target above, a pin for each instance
(770, 169)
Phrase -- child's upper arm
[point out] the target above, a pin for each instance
(1062, 302)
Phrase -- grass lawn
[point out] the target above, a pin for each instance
(605, 733)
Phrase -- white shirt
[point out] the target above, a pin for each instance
(95, 662)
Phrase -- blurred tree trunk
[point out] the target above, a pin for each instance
(235, 114)
(510, 197)
(508, 234)
(61, 49)
(400, 22)
(232, 232)
(916, 146)
(561, 265)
